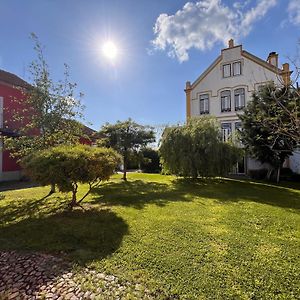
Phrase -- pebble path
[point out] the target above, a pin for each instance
(43, 276)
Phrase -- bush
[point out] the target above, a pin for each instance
(258, 174)
(150, 162)
(67, 166)
(196, 149)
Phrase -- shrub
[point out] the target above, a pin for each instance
(196, 149)
(258, 174)
(67, 166)
(150, 162)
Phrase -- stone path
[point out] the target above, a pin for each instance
(42, 276)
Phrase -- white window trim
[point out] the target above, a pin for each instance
(227, 100)
(230, 70)
(237, 62)
(205, 104)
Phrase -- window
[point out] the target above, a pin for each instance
(238, 126)
(237, 68)
(226, 131)
(227, 70)
(237, 134)
(204, 104)
(225, 101)
(239, 99)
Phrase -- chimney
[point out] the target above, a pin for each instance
(286, 74)
(231, 43)
(188, 89)
(273, 59)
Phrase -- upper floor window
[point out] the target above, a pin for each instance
(204, 104)
(226, 131)
(237, 68)
(225, 101)
(239, 98)
(226, 70)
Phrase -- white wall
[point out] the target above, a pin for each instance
(253, 74)
(295, 162)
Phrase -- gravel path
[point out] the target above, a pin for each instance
(42, 276)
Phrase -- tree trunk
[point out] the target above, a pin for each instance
(278, 175)
(73, 203)
(125, 167)
(269, 174)
(52, 190)
(124, 173)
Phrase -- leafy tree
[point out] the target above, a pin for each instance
(195, 149)
(150, 161)
(46, 115)
(67, 166)
(263, 114)
(127, 138)
(288, 107)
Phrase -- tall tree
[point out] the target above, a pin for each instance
(196, 149)
(46, 116)
(266, 112)
(127, 138)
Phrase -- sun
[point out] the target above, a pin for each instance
(110, 50)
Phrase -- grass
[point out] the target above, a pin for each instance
(203, 239)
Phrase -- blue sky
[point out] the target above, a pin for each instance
(147, 80)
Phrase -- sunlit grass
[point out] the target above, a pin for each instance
(209, 239)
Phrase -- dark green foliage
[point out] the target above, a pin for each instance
(263, 113)
(127, 138)
(195, 149)
(67, 166)
(150, 161)
(258, 174)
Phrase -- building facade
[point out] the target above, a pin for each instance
(12, 98)
(226, 86)
(12, 93)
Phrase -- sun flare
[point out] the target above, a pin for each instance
(110, 50)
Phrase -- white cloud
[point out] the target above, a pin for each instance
(204, 23)
(294, 11)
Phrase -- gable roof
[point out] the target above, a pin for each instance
(261, 62)
(244, 53)
(12, 79)
(215, 62)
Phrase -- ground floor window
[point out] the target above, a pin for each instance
(226, 131)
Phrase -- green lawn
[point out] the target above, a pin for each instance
(212, 239)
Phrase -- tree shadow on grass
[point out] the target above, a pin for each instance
(78, 236)
(83, 235)
(30, 208)
(16, 185)
(138, 193)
